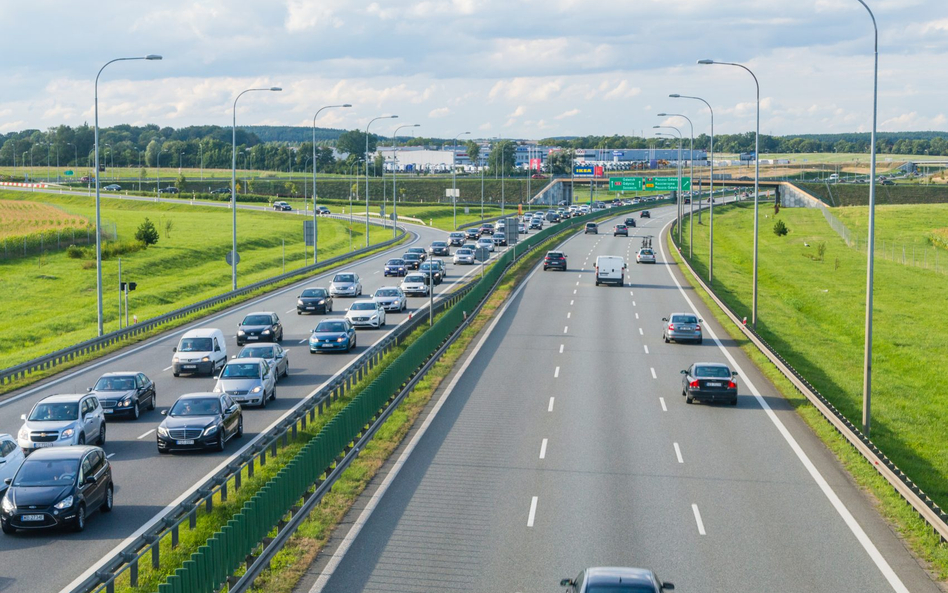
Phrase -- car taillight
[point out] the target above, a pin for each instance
(693, 385)
(731, 385)
(671, 326)
(697, 328)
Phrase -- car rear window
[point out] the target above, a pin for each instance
(714, 372)
(684, 319)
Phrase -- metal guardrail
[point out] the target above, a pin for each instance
(53, 359)
(926, 508)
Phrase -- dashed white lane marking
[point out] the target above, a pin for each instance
(641, 333)
(565, 329)
(698, 520)
(166, 369)
(646, 348)
(561, 348)
(290, 311)
(664, 408)
(550, 408)
(571, 303)
(678, 453)
(556, 373)
(580, 276)
(654, 376)
(375, 272)
(631, 293)
(543, 449)
(146, 434)
(304, 341)
(574, 291)
(569, 314)
(110, 456)
(633, 304)
(533, 512)
(636, 315)
(577, 283)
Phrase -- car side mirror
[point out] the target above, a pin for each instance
(233, 356)
(164, 412)
(7, 481)
(733, 373)
(566, 583)
(684, 372)
(22, 416)
(175, 349)
(90, 480)
(88, 389)
(664, 319)
(217, 349)
(668, 586)
(700, 320)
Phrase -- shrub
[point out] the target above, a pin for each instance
(147, 234)
(780, 228)
(74, 252)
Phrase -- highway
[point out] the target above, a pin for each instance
(147, 483)
(562, 442)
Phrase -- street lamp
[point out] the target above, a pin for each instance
(691, 158)
(756, 179)
(867, 360)
(395, 175)
(454, 177)
(367, 172)
(680, 137)
(315, 230)
(233, 187)
(711, 201)
(158, 172)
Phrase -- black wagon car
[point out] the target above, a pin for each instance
(630, 222)
(262, 326)
(709, 381)
(200, 421)
(58, 487)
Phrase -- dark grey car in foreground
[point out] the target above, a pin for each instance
(709, 381)
(613, 579)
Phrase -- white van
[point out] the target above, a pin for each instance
(610, 269)
(200, 351)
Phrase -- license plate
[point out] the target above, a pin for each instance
(325, 345)
(186, 442)
(252, 338)
(107, 410)
(41, 445)
(713, 384)
(31, 517)
(308, 308)
(190, 366)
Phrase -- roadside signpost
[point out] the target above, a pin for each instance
(648, 184)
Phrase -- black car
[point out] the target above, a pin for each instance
(618, 579)
(645, 214)
(58, 487)
(439, 248)
(710, 381)
(221, 190)
(434, 270)
(456, 238)
(630, 222)
(282, 206)
(395, 267)
(200, 421)
(472, 234)
(260, 327)
(420, 251)
(555, 260)
(591, 228)
(314, 300)
(168, 190)
(412, 260)
(620, 229)
(552, 217)
(125, 394)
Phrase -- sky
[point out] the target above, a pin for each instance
(508, 68)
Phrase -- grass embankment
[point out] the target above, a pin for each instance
(813, 311)
(55, 296)
(898, 226)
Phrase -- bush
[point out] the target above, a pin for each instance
(147, 234)
(74, 252)
(780, 228)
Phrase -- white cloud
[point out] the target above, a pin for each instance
(566, 114)
(439, 112)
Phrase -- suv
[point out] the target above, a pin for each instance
(591, 228)
(630, 222)
(555, 260)
(124, 393)
(63, 420)
(262, 326)
(281, 205)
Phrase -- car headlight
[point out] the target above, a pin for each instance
(256, 389)
(240, 332)
(174, 358)
(322, 302)
(7, 505)
(24, 434)
(218, 389)
(313, 339)
(206, 359)
(341, 339)
(125, 402)
(266, 331)
(67, 434)
(162, 431)
(210, 430)
(64, 503)
(299, 301)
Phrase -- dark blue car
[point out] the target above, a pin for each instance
(333, 335)
(395, 267)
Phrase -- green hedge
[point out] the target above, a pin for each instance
(847, 194)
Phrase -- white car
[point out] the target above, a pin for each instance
(391, 298)
(345, 284)
(645, 256)
(463, 257)
(367, 313)
(63, 420)
(415, 284)
(521, 229)
(11, 458)
(486, 243)
(247, 381)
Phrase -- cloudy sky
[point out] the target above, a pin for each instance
(512, 68)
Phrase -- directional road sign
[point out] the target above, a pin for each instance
(67, 173)
(648, 183)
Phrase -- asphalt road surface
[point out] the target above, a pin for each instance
(566, 443)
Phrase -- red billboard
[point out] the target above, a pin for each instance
(536, 164)
(598, 172)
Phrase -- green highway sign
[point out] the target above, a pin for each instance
(67, 173)
(648, 183)
(626, 183)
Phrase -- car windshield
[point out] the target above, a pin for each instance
(684, 319)
(257, 320)
(463, 252)
(487, 226)
(439, 244)
(429, 266)
(386, 292)
(55, 412)
(344, 278)
(205, 406)
(241, 370)
(418, 250)
(395, 262)
(714, 372)
(412, 256)
(313, 293)
(195, 345)
(330, 327)
(366, 306)
(415, 278)
(256, 352)
(48, 473)
(457, 235)
(115, 384)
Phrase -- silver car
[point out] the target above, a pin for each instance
(63, 420)
(274, 354)
(645, 256)
(247, 381)
(415, 284)
(682, 327)
(463, 257)
(391, 298)
(345, 284)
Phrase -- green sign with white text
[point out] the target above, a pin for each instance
(67, 173)
(648, 183)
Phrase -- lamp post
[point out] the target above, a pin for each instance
(233, 187)
(756, 179)
(691, 159)
(867, 360)
(395, 175)
(98, 210)
(454, 177)
(367, 172)
(680, 137)
(315, 213)
(158, 172)
(711, 201)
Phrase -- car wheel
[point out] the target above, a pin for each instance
(689, 399)
(101, 440)
(80, 522)
(298, 312)
(734, 402)
(162, 451)
(153, 402)
(175, 374)
(263, 400)
(136, 411)
(700, 340)
(82, 439)
(220, 441)
(109, 500)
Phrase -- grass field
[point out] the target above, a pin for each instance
(903, 225)
(812, 312)
(21, 217)
(54, 296)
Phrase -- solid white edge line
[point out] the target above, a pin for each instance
(662, 400)
(694, 509)
(654, 376)
(533, 511)
(550, 407)
(881, 563)
(146, 434)
(543, 449)
(678, 453)
(366, 513)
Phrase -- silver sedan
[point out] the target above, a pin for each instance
(682, 327)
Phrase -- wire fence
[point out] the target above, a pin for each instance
(56, 239)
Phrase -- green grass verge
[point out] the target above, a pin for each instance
(811, 313)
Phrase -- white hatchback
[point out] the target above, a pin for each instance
(367, 313)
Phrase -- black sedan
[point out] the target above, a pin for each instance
(554, 260)
(457, 238)
(439, 248)
(395, 267)
(412, 260)
(630, 222)
(59, 486)
(645, 214)
(314, 300)
(472, 234)
(486, 229)
(620, 229)
(125, 394)
(260, 327)
(709, 381)
(434, 270)
(200, 421)
(617, 579)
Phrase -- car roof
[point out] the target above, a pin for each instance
(250, 359)
(343, 319)
(64, 397)
(616, 574)
(356, 302)
(119, 373)
(260, 313)
(198, 395)
(201, 332)
(681, 313)
(71, 452)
